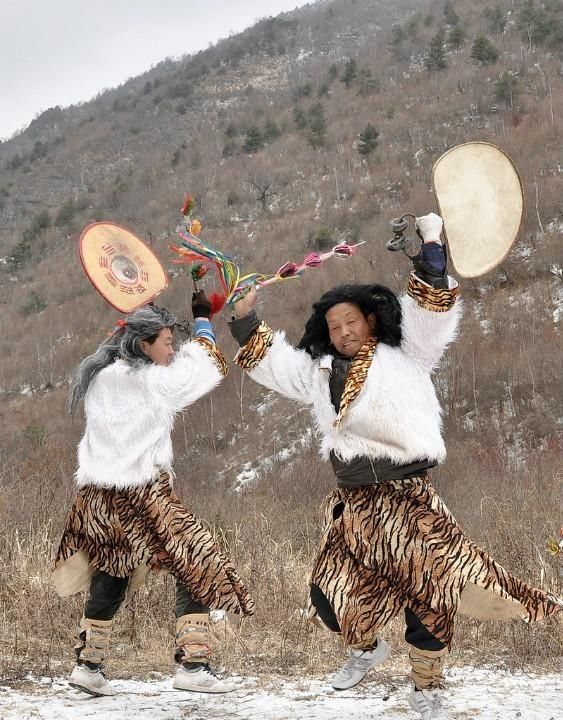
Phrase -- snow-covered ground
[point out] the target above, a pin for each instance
(472, 693)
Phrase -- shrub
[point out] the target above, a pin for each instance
(253, 140)
(33, 305)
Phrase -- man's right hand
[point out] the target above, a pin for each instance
(246, 304)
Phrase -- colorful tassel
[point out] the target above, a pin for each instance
(193, 250)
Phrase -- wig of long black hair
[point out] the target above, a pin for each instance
(371, 299)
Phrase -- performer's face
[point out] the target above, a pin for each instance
(348, 328)
(161, 351)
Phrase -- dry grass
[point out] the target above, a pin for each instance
(503, 478)
(271, 531)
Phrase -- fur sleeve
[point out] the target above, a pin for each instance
(430, 320)
(196, 369)
(271, 361)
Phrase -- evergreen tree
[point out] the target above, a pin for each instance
(456, 37)
(350, 72)
(368, 140)
(483, 51)
(332, 72)
(65, 214)
(366, 82)
(302, 91)
(413, 26)
(299, 118)
(21, 253)
(507, 88)
(452, 18)
(271, 131)
(316, 133)
(555, 40)
(253, 140)
(436, 58)
(497, 20)
(535, 24)
(33, 305)
(398, 37)
(229, 149)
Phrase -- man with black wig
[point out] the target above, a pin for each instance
(365, 366)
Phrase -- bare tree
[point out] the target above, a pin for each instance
(260, 182)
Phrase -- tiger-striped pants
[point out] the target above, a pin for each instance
(395, 545)
(122, 532)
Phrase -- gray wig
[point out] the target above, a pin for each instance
(124, 343)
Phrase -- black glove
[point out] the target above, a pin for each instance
(201, 305)
(429, 273)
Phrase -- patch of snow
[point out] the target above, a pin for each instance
(303, 55)
(246, 475)
(479, 693)
(317, 208)
(285, 454)
(558, 302)
(523, 251)
(265, 403)
(486, 326)
(26, 390)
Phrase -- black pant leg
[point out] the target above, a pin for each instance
(418, 635)
(106, 595)
(324, 609)
(185, 603)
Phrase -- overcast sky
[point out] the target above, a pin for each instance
(60, 52)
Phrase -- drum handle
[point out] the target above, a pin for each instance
(400, 240)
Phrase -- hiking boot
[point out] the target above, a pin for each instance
(90, 680)
(199, 677)
(428, 703)
(357, 665)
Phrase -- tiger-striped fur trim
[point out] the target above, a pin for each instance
(396, 545)
(215, 354)
(356, 377)
(431, 298)
(253, 352)
(121, 530)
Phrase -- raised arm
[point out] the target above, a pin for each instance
(268, 357)
(431, 310)
(197, 367)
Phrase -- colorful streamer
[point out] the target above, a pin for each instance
(194, 250)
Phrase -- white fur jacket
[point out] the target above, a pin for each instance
(395, 413)
(130, 413)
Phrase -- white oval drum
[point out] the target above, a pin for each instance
(120, 266)
(481, 201)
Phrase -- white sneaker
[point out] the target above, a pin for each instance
(428, 703)
(358, 663)
(90, 681)
(202, 679)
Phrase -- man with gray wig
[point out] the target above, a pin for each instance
(126, 518)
